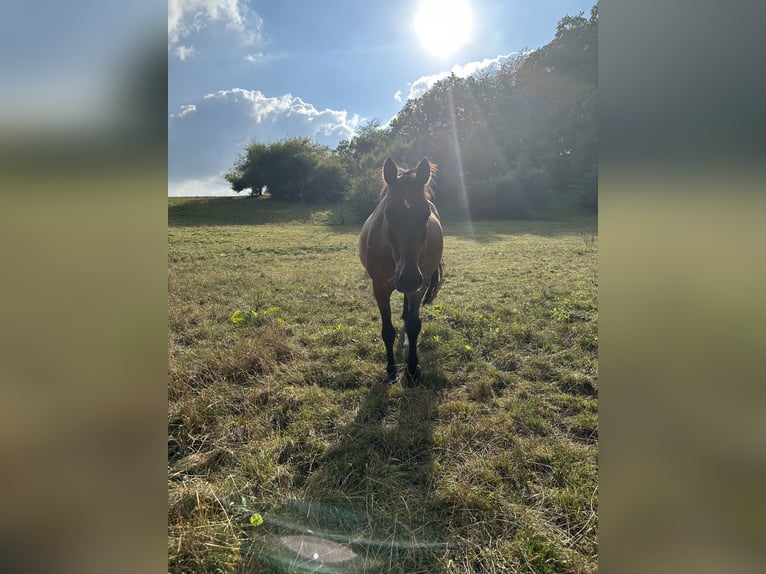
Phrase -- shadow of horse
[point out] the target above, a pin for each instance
(381, 473)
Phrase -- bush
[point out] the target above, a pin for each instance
(364, 194)
(293, 169)
(327, 182)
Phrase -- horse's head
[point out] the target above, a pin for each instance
(406, 213)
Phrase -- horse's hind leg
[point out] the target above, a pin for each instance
(387, 332)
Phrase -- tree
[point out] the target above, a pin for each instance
(292, 169)
(250, 170)
(520, 140)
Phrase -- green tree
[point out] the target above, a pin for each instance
(518, 141)
(292, 169)
(250, 169)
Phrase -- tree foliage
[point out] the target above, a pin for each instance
(518, 141)
(293, 169)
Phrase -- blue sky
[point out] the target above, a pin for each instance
(241, 70)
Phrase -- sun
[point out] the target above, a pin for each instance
(443, 26)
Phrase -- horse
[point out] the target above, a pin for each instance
(400, 247)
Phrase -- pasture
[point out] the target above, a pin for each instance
(279, 422)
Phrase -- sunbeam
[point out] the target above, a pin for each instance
(459, 158)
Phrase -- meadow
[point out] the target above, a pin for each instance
(280, 426)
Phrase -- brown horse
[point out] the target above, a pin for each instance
(401, 248)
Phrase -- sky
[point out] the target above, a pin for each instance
(244, 70)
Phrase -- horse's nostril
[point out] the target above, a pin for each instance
(408, 282)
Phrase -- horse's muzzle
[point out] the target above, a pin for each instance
(408, 281)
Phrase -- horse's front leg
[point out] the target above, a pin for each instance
(412, 327)
(387, 332)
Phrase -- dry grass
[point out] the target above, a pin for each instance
(488, 465)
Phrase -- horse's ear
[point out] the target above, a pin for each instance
(390, 171)
(423, 173)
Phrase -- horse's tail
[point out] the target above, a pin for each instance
(434, 284)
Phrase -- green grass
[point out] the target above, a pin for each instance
(489, 464)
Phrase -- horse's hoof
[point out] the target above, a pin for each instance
(413, 376)
(390, 377)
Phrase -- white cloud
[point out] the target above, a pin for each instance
(255, 58)
(424, 83)
(187, 17)
(184, 111)
(205, 137)
(398, 96)
(184, 52)
(214, 186)
(307, 118)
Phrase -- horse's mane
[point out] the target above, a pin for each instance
(427, 188)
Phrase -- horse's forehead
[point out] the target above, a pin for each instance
(405, 183)
(410, 199)
(408, 189)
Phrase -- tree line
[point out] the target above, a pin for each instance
(515, 142)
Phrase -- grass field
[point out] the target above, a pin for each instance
(277, 409)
